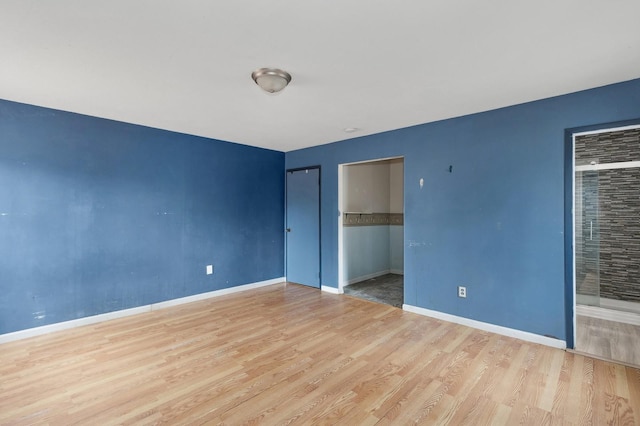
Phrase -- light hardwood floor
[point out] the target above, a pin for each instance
(291, 354)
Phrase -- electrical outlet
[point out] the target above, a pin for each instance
(209, 269)
(462, 291)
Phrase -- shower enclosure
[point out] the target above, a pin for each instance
(587, 238)
(607, 219)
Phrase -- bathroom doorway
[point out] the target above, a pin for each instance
(606, 230)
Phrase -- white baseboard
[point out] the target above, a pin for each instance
(37, 331)
(396, 271)
(505, 331)
(59, 326)
(331, 289)
(215, 293)
(608, 314)
(367, 277)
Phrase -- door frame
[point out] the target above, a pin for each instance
(341, 201)
(569, 216)
(286, 219)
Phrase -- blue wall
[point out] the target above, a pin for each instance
(496, 223)
(98, 216)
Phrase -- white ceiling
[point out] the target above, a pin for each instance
(185, 65)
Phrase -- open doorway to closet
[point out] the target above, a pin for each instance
(371, 230)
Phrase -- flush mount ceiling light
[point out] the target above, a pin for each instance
(271, 80)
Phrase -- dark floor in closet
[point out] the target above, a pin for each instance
(386, 289)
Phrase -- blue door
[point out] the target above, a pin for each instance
(303, 226)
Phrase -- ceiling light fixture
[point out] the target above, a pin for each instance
(271, 80)
(350, 129)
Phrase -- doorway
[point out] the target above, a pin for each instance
(303, 226)
(371, 230)
(606, 232)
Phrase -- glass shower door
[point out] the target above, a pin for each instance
(587, 238)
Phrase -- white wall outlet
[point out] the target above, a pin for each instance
(209, 269)
(462, 291)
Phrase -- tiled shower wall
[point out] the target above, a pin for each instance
(608, 147)
(618, 210)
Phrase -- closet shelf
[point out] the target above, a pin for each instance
(371, 219)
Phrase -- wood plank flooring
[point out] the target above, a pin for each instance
(289, 354)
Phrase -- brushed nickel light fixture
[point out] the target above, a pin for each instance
(271, 80)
